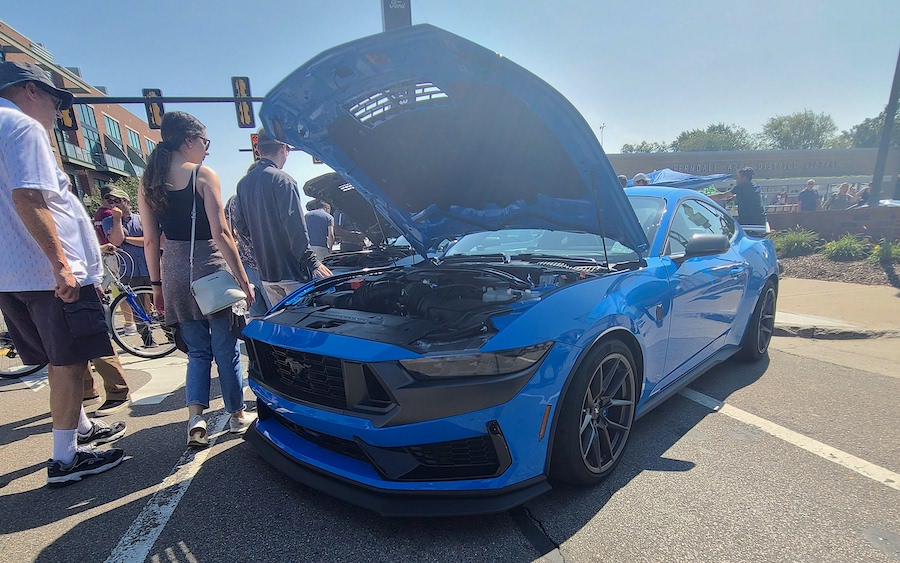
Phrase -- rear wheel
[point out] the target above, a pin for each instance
(596, 416)
(10, 363)
(140, 332)
(759, 330)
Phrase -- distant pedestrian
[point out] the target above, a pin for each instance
(640, 179)
(320, 226)
(248, 259)
(102, 213)
(269, 211)
(623, 179)
(748, 196)
(167, 199)
(842, 199)
(49, 268)
(809, 197)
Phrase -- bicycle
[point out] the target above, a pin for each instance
(146, 336)
(11, 365)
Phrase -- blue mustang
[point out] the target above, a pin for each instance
(565, 308)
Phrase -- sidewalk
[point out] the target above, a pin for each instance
(833, 310)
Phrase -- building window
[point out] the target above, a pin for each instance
(86, 116)
(150, 145)
(134, 140)
(112, 127)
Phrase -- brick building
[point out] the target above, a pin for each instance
(110, 143)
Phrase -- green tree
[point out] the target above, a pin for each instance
(644, 146)
(716, 137)
(867, 135)
(800, 130)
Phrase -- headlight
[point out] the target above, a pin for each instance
(495, 363)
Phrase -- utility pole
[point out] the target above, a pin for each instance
(602, 127)
(881, 160)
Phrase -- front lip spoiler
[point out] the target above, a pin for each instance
(398, 503)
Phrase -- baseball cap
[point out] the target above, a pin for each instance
(119, 193)
(263, 138)
(640, 176)
(810, 181)
(15, 73)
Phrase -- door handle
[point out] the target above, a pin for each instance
(736, 271)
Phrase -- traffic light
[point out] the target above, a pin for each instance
(67, 121)
(254, 142)
(240, 85)
(155, 110)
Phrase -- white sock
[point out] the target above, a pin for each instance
(84, 423)
(64, 444)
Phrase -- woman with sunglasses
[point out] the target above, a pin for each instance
(167, 196)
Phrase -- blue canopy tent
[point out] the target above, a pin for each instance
(668, 177)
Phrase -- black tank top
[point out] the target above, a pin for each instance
(175, 219)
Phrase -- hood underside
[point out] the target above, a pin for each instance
(445, 137)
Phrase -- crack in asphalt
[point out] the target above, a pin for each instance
(536, 534)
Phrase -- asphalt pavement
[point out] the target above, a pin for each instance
(793, 458)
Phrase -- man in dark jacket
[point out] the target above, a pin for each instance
(749, 198)
(268, 210)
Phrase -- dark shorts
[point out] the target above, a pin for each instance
(47, 331)
(136, 281)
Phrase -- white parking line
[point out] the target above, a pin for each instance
(135, 545)
(861, 466)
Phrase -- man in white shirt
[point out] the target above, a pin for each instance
(48, 270)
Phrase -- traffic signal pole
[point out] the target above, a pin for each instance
(881, 160)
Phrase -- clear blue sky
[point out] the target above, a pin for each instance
(647, 69)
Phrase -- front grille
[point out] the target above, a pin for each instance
(333, 443)
(301, 375)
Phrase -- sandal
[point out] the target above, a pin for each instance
(197, 432)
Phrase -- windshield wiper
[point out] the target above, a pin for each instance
(567, 260)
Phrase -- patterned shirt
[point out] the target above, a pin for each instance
(244, 244)
(27, 162)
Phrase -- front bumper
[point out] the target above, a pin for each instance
(404, 503)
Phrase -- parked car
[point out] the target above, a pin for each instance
(566, 309)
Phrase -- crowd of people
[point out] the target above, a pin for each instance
(51, 273)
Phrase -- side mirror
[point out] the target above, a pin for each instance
(706, 245)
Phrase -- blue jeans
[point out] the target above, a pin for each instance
(207, 340)
(261, 304)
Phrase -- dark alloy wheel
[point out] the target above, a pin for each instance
(758, 334)
(596, 417)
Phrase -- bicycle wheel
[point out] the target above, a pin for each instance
(136, 325)
(10, 363)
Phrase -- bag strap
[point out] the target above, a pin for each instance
(193, 218)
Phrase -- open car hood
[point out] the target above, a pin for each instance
(340, 194)
(445, 138)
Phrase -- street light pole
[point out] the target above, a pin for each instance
(602, 127)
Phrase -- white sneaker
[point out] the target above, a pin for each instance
(128, 330)
(240, 424)
(197, 432)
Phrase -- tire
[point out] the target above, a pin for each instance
(758, 334)
(596, 416)
(151, 339)
(11, 365)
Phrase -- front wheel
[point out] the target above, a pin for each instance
(11, 365)
(596, 416)
(137, 326)
(758, 334)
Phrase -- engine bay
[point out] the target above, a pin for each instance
(424, 307)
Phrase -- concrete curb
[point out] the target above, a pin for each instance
(821, 333)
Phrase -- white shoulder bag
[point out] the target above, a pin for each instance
(219, 290)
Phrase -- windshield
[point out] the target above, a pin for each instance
(564, 244)
(649, 211)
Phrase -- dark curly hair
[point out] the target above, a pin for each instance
(176, 127)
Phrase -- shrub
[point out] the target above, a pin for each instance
(795, 242)
(885, 252)
(847, 249)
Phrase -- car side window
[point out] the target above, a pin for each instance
(691, 218)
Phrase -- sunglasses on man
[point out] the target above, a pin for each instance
(114, 200)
